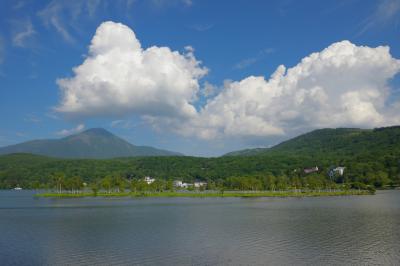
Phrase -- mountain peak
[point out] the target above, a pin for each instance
(91, 143)
(97, 131)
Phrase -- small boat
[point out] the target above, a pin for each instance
(17, 188)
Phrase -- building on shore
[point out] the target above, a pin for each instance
(149, 179)
(178, 183)
(181, 184)
(186, 185)
(338, 170)
(311, 170)
(199, 184)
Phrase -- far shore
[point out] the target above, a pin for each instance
(211, 194)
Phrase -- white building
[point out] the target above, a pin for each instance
(178, 183)
(339, 170)
(181, 184)
(149, 179)
(199, 184)
(186, 185)
(311, 170)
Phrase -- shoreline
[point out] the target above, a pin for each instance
(226, 194)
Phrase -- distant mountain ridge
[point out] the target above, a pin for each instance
(95, 143)
(331, 141)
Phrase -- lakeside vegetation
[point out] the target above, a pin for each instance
(208, 194)
(267, 172)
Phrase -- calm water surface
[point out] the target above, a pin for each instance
(353, 230)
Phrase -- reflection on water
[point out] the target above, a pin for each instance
(356, 230)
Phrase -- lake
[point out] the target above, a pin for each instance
(350, 230)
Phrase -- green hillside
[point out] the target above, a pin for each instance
(336, 142)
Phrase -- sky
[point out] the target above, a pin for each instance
(195, 76)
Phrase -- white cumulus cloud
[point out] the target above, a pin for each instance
(344, 85)
(120, 77)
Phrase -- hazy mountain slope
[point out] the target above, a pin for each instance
(92, 143)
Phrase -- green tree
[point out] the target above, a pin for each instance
(281, 182)
(270, 182)
(59, 179)
(94, 186)
(169, 185)
(119, 183)
(76, 184)
(106, 183)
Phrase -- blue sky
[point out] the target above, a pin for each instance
(227, 43)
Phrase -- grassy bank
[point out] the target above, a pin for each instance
(245, 194)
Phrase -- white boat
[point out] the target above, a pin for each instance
(17, 188)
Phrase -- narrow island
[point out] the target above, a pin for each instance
(150, 187)
(211, 194)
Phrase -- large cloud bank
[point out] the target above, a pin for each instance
(120, 77)
(343, 85)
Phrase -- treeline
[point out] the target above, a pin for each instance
(119, 184)
(271, 172)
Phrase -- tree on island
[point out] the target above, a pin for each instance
(59, 180)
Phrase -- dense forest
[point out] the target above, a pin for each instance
(370, 157)
(336, 143)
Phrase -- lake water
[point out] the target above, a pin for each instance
(352, 230)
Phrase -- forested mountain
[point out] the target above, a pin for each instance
(93, 143)
(335, 142)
